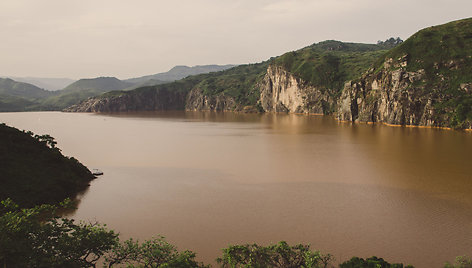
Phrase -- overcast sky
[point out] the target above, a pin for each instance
(90, 38)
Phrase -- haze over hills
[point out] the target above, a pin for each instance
(180, 71)
(18, 96)
(19, 89)
(51, 84)
(176, 73)
(82, 89)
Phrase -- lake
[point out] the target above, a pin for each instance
(207, 180)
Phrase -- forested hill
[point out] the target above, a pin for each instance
(18, 96)
(34, 171)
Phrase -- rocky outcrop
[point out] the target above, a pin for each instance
(197, 101)
(144, 100)
(393, 95)
(281, 91)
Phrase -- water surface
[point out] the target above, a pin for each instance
(206, 180)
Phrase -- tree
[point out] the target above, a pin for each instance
(151, 253)
(37, 237)
(461, 262)
(278, 255)
(372, 262)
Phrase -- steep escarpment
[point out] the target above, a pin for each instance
(310, 80)
(146, 99)
(389, 96)
(426, 81)
(281, 91)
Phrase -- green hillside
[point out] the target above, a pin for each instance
(330, 64)
(17, 96)
(444, 52)
(34, 171)
(18, 89)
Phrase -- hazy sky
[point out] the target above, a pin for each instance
(90, 38)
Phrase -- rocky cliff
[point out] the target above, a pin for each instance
(426, 81)
(147, 99)
(396, 96)
(281, 91)
(197, 100)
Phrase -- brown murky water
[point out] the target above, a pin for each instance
(206, 180)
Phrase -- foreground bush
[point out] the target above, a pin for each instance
(278, 255)
(461, 262)
(37, 237)
(372, 262)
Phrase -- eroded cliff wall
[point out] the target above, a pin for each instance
(393, 95)
(145, 100)
(197, 100)
(281, 91)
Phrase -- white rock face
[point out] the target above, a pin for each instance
(281, 91)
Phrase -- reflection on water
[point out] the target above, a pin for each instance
(206, 180)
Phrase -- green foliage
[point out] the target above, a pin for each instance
(391, 42)
(372, 262)
(151, 253)
(15, 104)
(278, 255)
(9, 87)
(239, 82)
(16, 96)
(461, 262)
(36, 237)
(330, 64)
(35, 172)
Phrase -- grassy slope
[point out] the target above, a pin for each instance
(33, 173)
(238, 82)
(330, 64)
(433, 49)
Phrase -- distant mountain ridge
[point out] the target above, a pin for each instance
(51, 84)
(179, 72)
(20, 89)
(17, 96)
(99, 84)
